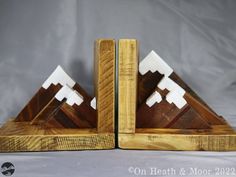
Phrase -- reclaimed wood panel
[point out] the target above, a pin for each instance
(37, 103)
(127, 79)
(22, 136)
(178, 142)
(105, 84)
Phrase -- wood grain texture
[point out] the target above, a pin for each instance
(46, 124)
(165, 115)
(37, 103)
(164, 126)
(196, 114)
(66, 116)
(127, 79)
(105, 84)
(47, 111)
(21, 136)
(82, 116)
(187, 142)
(147, 84)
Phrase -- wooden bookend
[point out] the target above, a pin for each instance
(157, 110)
(62, 116)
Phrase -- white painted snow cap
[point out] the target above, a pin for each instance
(153, 62)
(64, 92)
(72, 96)
(154, 98)
(176, 92)
(178, 100)
(59, 76)
(93, 103)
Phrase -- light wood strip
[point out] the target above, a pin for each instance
(128, 73)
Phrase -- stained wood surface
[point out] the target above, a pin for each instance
(59, 114)
(21, 136)
(66, 116)
(127, 79)
(187, 141)
(146, 85)
(46, 110)
(164, 126)
(165, 115)
(82, 116)
(37, 103)
(46, 124)
(105, 84)
(196, 114)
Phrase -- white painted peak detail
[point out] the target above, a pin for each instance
(154, 98)
(72, 96)
(153, 62)
(167, 83)
(59, 76)
(64, 92)
(175, 94)
(178, 100)
(93, 103)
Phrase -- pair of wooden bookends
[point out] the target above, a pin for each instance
(156, 110)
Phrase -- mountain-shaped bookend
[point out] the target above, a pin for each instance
(62, 116)
(164, 113)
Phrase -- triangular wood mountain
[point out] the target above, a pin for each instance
(60, 103)
(166, 101)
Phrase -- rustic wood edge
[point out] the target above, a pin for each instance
(127, 82)
(32, 143)
(178, 142)
(104, 81)
(23, 137)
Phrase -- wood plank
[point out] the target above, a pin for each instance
(105, 84)
(165, 115)
(12, 128)
(127, 76)
(38, 102)
(22, 136)
(191, 142)
(209, 116)
(47, 111)
(82, 116)
(56, 142)
(215, 130)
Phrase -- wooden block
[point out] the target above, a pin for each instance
(186, 142)
(127, 79)
(105, 84)
(21, 136)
